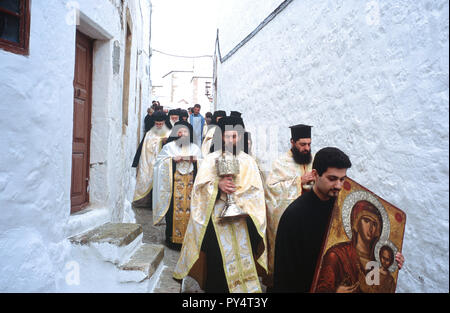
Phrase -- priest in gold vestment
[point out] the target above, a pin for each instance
(174, 174)
(290, 176)
(212, 134)
(224, 254)
(152, 144)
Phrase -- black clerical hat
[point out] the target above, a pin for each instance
(183, 113)
(217, 114)
(230, 121)
(235, 113)
(220, 113)
(173, 112)
(300, 131)
(159, 116)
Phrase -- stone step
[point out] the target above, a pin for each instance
(114, 242)
(119, 234)
(166, 283)
(142, 264)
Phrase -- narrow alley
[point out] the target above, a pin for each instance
(208, 105)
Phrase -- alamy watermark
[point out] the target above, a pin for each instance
(373, 276)
(73, 14)
(372, 13)
(73, 273)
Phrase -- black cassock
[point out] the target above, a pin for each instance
(137, 155)
(216, 281)
(298, 242)
(149, 122)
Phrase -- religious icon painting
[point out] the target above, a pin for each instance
(358, 254)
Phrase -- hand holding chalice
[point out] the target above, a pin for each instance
(227, 169)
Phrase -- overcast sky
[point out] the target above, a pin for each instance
(181, 27)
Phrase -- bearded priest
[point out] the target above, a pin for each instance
(174, 174)
(151, 145)
(224, 253)
(291, 175)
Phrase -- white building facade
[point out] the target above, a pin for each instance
(372, 79)
(188, 81)
(40, 90)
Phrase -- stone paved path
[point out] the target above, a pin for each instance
(156, 234)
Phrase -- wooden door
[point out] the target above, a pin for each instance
(82, 85)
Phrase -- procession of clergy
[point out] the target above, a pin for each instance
(195, 174)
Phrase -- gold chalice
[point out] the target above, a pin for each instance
(229, 167)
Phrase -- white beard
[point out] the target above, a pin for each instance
(160, 131)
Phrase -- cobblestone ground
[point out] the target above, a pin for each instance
(155, 234)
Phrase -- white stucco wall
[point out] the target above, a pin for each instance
(244, 23)
(36, 121)
(372, 78)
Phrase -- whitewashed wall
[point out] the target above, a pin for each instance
(239, 23)
(372, 78)
(36, 120)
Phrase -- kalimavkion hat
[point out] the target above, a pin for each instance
(235, 113)
(159, 116)
(230, 121)
(300, 131)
